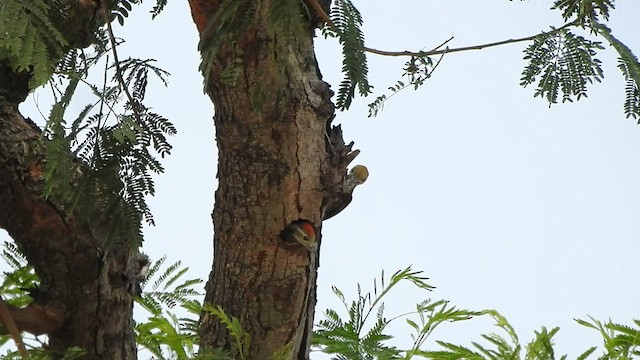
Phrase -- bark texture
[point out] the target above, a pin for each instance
(278, 160)
(85, 298)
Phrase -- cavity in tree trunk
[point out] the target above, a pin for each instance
(278, 160)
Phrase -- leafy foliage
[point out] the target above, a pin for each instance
(349, 338)
(345, 338)
(417, 71)
(167, 336)
(360, 336)
(164, 334)
(620, 341)
(108, 144)
(564, 63)
(561, 63)
(585, 11)
(20, 280)
(348, 22)
(164, 290)
(120, 9)
(158, 7)
(30, 41)
(102, 160)
(630, 68)
(240, 348)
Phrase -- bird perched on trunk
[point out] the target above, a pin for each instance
(342, 194)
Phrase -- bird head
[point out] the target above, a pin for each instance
(302, 232)
(359, 174)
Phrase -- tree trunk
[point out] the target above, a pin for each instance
(276, 166)
(85, 298)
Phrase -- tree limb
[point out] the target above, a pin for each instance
(7, 319)
(437, 50)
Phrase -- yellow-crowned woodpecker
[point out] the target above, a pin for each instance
(343, 194)
(302, 232)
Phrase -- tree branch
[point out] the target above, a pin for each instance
(116, 61)
(437, 50)
(11, 326)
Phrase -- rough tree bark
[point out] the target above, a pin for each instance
(85, 298)
(278, 160)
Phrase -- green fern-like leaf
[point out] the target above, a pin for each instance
(354, 337)
(348, 21)
(29, 41)
(20, 280)
(620, 341)
(163, 332)
(116, 159)
(541, 347)
(564, 64)
(584, 11)
(630, 68)
(158, 7)
(242, 339)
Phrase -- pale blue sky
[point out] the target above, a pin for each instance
(503, 202)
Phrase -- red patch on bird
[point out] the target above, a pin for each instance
(308, 228)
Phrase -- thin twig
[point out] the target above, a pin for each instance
(112, 39)
(10, 324)
(436, 50)
(466, 48)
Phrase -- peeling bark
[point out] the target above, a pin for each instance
(278, 160)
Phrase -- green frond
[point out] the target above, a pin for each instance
(102, 160)
(120, 9)
(587, 353)
(242, 339)
(417, 71)
(30, 42)
(355, 337)
(620, 341)
(564, 64)
(20, 280)
(168, 272)
(630, 68)
(348, 21)
(158, 7)
(57, 174)
(541, 347)
(584, 11)
(153, 269)
(163, 332)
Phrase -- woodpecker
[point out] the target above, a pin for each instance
(144, 263)
(302, 232)
(343, 194)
